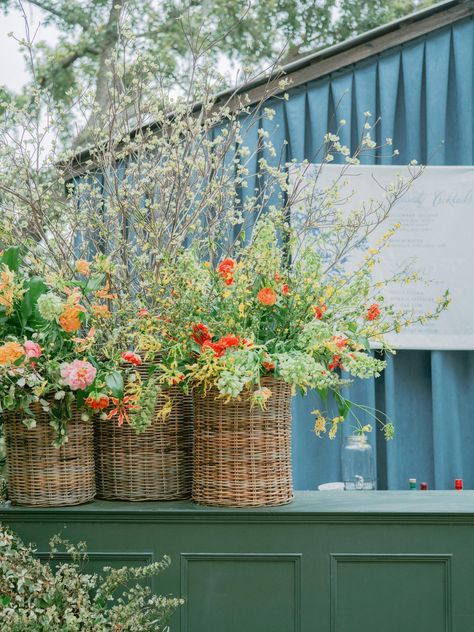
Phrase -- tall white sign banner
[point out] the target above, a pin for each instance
(436, 234)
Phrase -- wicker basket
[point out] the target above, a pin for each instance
(242, 455)
(42, 475)
(153, 465)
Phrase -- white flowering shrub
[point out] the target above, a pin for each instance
(37, 597)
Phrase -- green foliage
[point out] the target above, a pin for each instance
(61, 597)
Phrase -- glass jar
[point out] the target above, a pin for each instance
(358, 466)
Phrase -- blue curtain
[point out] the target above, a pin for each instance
(423, 92)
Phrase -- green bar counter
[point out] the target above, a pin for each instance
(328, 562)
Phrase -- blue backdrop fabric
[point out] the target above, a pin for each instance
(423, 93)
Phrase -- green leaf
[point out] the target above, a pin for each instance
(11, 258)
(323, 394)
(95, 283)
(343, 405)
(35, 288)
(114, 381)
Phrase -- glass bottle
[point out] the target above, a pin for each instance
(358, 466)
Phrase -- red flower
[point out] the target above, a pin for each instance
(336, 363)
(268, 366)
(226, 270)
(229, 341)
(143, 312)
(319, 311)
(218, 349)
(200, 334)
(340, 341)
(131, 358)
(277, 276)
(122, 408)
(267, 296)
(373, 312)
(285, 290)
(97, 401)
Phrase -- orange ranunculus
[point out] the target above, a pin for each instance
(10, 352)
(373, 312)
(226, 270)
(101, 311)
(83, 267)
(97, 401)
(69, 319)
(267, 296)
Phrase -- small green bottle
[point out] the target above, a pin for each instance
(412, 483)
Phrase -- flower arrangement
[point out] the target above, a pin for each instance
(266, 313)
(50, 350)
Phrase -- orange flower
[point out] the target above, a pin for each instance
(373, 312)
(105, 292)
(200, 334)
(69, 319)
(7, 290)
(83, 267)
(229, 341)
(268, 366)
(340, 341)
(336, 363)
(285, 289)
(319, 311)
(97, 401)
(101, 311)
(267, 296)
(218, 349)
(10, 352)
(131, 358)
(277, 276)
(226, 270)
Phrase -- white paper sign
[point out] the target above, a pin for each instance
(437, 234)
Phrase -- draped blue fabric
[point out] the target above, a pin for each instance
(423, 91)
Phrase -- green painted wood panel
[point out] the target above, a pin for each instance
(340, 562)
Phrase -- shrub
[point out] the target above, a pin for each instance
(35, 595)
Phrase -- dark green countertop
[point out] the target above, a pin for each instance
(307, 506)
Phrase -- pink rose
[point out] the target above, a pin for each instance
(32, 349)
(78, 374)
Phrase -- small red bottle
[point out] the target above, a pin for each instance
(458, 484)
(424, 487)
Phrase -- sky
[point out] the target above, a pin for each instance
(13, 71)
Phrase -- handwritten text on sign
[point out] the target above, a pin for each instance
(437, 233)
